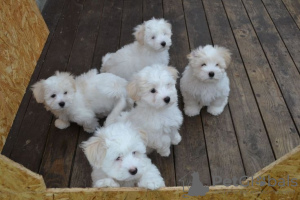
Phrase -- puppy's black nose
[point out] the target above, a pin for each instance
(211, 74)
(167, 99)
(61, 104)
(163, 44)
(133, 171)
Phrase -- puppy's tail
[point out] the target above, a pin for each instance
(104, 60)
(115, 113)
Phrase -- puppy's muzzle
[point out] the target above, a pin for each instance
(133, 171)
(167, 99)
(61, 104)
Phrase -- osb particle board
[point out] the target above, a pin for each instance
(16, 178)
(23, 34)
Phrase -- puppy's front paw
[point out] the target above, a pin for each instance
(176, 139)
(152, 184)
(61, 124)
(191, 110)
(107, 182)
(215, 110)
(165, 152)
(89, 130)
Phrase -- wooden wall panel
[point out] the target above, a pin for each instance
(23, 33)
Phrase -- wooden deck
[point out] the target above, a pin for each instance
(260, 124)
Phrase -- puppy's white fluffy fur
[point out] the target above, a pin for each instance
(204, 81)
(117, 154)
(156, 112)
(153, 40)
(82, 99)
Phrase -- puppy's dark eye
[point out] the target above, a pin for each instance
(153, 37)
(153, 90)
(217, 64)
(203, 65)
(53, 95)
(118, 158)
(66, 93)
(134, 152)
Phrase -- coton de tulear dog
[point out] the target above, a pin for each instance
(117, 154)
(153, 40)
(204, 81)
(82, 99)
(156, 111)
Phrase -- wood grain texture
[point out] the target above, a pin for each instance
(110, 28)
(294, 9)
(23, 34)
(252, 136)
(278, 121)
(152, 8)
(286, 27)
(283, 67)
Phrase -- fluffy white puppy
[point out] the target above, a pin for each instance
(156, 111)
(82, 99)
(204, 81)
(117, 154)
(153, 40)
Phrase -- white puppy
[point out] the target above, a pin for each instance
(153, 40)
(117, 154)
(156, 111)
(82, 99)
(204, 81)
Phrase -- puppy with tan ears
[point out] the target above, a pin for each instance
(156, 111)
(204, 81)
(117, 154)
(153, 40)
(82, 99)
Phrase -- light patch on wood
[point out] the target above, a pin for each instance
(23, 33)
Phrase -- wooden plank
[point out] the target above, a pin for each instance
(252, 136)
(191, 154)
(80, 61)
(37, 120)
(217, 192)
(131, 17)
(173, 12)
(278, 121)
(152, 8)
(222, 147)
(112, 13)
(56, 165)
(284, 69)
(285, 25)
(81, 172)
(54, 15)
(58, 156)
(294, 8)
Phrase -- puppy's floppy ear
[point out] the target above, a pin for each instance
(144, 137)
(132, 89)
(173, 71)
(95, 150)
(225, 53)
(139, 33)
(38, 91)
(169, 25)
